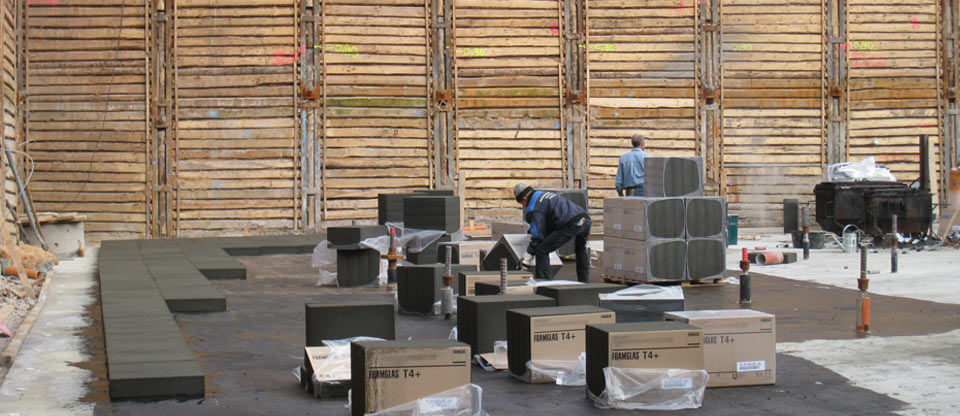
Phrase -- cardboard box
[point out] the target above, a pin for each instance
(739, 345)
(613, 256)
(554, 333)
(646, 218)
(612, 218)
(640, 345)
(385, 374)
(334, 385)
(469, 280)
(464, 252)
(482, 320)
(655, 260)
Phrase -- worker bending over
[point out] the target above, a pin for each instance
(554, 220)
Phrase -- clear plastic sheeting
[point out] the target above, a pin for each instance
(652, 389)
(408, 239)
(864, 170)
(466, 400)
(497, 360)
(563, 373)
(538, 283)
(337, 364)
(645, 292)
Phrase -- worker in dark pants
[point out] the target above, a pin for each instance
(630, 170)
(554, 220)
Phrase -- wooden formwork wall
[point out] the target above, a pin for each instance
(9, 116)
(373, 130)
(87, 111)
(893, 82)
(236, 116)
(509, 75)
(286, 115)
(772, 125)
(641, 72)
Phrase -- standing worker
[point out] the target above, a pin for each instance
(630, 170)
(554, 220)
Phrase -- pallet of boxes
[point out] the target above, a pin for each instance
(671, 235)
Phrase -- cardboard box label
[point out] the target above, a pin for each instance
(470, 281)
(637, 228)
(751, 366)
(676, 383)
(618, 266)
(616, 226)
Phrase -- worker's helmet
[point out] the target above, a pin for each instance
(521, 190)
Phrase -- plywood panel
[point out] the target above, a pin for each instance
(86, 122)
(772, 126)
(236, 121)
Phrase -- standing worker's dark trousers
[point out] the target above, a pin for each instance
(579, 230)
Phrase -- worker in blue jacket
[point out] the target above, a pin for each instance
(554, 220)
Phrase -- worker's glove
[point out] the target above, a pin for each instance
(532, 247)
(528, 261)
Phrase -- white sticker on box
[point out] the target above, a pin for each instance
(638, 269)
(435, 404)
(751, 366)
(617, 266)
(616, 226)
(676, 383)
(637, 228)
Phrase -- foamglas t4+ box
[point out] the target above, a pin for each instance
(481, 320)
(468, 280)
(739, 345)
(385, 374)
(640, 345)
(550, 334)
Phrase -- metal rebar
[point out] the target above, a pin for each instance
(893, 245)
(503, 276)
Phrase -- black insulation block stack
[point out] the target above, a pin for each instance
(585, 294)
(432, 213)
(427, 254)
(418, 287)
(357, 267)
(390, 208)
(347, 319)
(354, 234)
(481, 320)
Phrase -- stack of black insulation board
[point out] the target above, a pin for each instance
(435, 192)
(481, 320)
(182, 286)
(641, 308)
(329, 320)
(432, 213)
(468, 281)
(147, 356)
(514, 287)
(639, 345)
(573, 294)
(578, 197)
(418, 287)
(427, 254)
(553, 333)
(706, 237)
(352, 235)
(266, 245)
(357, 267)
(390, 208)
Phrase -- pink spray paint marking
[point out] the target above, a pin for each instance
(916, 23)
(554, 28)
(683, 5)
(47, 2)
(286, 58)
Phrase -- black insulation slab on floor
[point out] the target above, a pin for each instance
(142, 282)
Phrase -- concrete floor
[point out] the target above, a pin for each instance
(249, 352)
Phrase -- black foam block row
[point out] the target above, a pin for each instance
(348, 319)
(673, 176)
(432, 213)
(390, 207)
(642, 310)
(357, 267)
(707, 258)
(435, 192)
(353, 234)
(427, 254)
(585, 294)
(706, 217)
(418, 287)
(481, 320)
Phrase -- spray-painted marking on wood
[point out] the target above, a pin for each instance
(684, 6)
(287, 58)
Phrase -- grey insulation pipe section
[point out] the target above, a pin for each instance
(23, 196)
